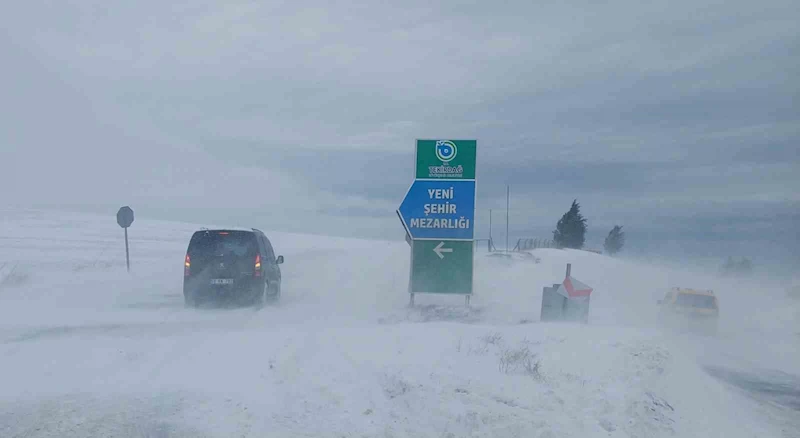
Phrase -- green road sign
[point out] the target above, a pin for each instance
(446, 159)
(441, 267)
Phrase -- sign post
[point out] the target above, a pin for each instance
(438, 214)
(125, 219)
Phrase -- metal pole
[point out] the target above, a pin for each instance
(490, 230)
(569, 269)
(411, 276)
(127, 253)
(490, 223)
(508, 197)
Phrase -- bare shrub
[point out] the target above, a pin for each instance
(532, 366)
(13, 276)
(395, 386)
(479, 350)
(492, 339)
(511, 360)
(486, 341)
(528, 342)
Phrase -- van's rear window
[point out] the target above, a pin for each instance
(698, 301)
(220, 243)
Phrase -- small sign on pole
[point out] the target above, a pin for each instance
(125, 220)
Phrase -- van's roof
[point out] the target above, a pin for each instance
(227, 229)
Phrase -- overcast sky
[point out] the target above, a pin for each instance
(679, 121)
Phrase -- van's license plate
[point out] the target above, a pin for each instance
(221, 281)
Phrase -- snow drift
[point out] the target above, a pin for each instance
(88, 350)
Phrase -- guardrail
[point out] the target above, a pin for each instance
(529, 244)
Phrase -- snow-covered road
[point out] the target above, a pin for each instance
(88, 350)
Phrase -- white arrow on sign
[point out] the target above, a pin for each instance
(439, 250)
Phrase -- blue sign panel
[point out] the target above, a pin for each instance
(439, 210)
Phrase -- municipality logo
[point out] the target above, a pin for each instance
(446, 150)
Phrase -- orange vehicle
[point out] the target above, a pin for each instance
(690, 310)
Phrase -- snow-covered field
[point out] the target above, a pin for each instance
(87, 349)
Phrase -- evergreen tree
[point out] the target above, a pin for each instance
(729, 266)
(570, 231)
(742, 267)
(615, 240)
(746, 266)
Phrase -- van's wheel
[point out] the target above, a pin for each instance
(259, 298)
(274, 293)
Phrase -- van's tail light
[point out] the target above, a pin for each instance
(187, 265)
(258, 265)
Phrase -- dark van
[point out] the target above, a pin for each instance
(229, 265)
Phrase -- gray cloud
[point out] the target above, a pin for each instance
(670, 114)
